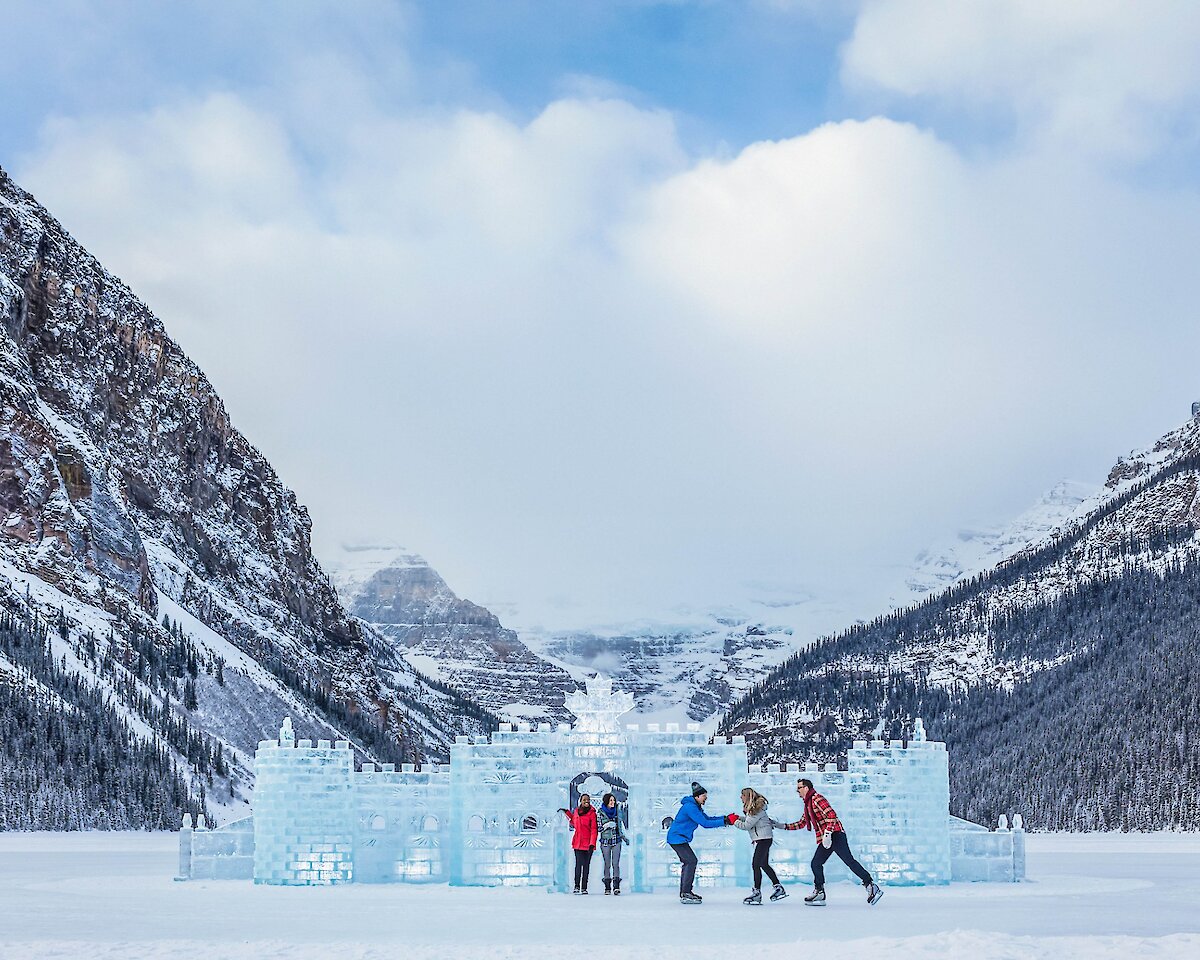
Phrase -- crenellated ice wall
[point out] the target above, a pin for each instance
(490, 817)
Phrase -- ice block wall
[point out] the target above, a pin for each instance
(904, 809)
(401, 823)
(491, 816)
(893, 799)
(981, 855)
(663, 763)
(303, 811)
(226, 853)
(503, 797)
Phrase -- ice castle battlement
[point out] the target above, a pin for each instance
(490, 816)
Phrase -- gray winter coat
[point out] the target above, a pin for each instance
(759, 825)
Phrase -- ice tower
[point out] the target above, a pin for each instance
(490, 817)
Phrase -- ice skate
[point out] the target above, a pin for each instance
(816, 898)
(755, 899)
(874, 892)
(779, 893)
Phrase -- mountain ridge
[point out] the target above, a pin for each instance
(125, 486)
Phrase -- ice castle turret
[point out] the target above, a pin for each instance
(491, 816)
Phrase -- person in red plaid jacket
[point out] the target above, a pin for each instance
(821, 818)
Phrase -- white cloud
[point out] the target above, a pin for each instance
(562, 358)
(1102, 75)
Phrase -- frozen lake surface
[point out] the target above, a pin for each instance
(110, 896)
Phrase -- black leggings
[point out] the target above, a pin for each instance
(762, 854)
(841, 846)
(687, 873)
(583, 866)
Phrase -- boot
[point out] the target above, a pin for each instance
(816, 898)
(617, 887)
(689, 898)
(779, 893)
(577, 891)
(754, 899)
(607, 887)
(874, 892)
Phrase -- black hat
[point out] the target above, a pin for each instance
(697, 789)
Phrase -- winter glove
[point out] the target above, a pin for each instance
(592, 848)
(625, 840)
(827, 840)
(731, 819)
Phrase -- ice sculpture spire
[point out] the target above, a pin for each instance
(918, 731)
(287, 736)
(598, 709)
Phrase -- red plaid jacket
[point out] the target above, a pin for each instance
(819, 816)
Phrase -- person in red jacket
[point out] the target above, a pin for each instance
(822, 819)
(583, 823)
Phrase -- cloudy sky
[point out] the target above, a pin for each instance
(610, 306)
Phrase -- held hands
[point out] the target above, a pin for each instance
(731, 819)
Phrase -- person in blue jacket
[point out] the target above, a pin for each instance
(690, 816)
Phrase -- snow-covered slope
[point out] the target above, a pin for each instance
(1087, 628)
(946, 562)
(444, 637)
(125, 489)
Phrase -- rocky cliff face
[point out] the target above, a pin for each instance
(445, 637)
(124, 486)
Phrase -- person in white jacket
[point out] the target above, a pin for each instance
(757, 822)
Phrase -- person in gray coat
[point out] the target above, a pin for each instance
(758, 823)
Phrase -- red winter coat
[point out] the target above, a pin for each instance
(585, 827)
(819, 817)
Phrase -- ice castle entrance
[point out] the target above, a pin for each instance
(596, 785)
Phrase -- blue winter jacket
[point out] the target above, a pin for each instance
(689, 817)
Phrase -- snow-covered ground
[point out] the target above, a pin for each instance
(111, 897)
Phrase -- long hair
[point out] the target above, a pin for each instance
(752, 801)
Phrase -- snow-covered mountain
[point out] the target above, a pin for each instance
(445, 637)
(1065, 665)
(134, 514)
(974, 550)
(693, 664)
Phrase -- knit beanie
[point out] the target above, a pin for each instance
(697, 789)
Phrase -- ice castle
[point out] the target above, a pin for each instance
(489, 817)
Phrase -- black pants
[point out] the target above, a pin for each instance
(841, 847)
(687, 874)
(583, 866)
(762, 854)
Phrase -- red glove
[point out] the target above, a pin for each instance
(731, 819)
